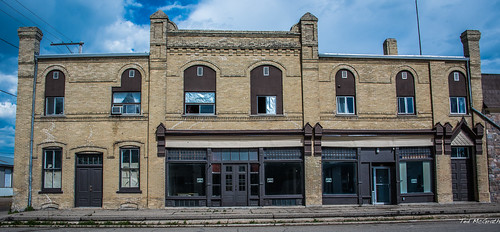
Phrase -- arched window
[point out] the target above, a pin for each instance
(54, 93)
(127, 97)
(346, 92)
(266, 90)
(458, 92)
(199, 90)
(405, 92)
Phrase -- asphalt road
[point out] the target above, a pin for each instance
(441, 226)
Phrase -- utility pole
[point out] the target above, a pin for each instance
(72, 43)
(418, 27)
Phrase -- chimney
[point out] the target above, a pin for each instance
(391, 47)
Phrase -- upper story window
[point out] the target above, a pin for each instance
(54, 93)
(405, 92)
(127, 98)
(266, 90)
(346, 92)
(199, 90)
(52, 170)
(458, 93)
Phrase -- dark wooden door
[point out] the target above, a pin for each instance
(235, 185)
(88, 181)
(462, 179)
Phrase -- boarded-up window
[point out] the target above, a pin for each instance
(266, 90)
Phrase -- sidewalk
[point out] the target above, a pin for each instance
(257, 215)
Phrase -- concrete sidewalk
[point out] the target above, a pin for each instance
(259, 215)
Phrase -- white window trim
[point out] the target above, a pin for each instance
(404, 75)
(55, 75)
(55, 103)
(458, 106)
(265, 71)
(199, 71)
(344, 74)
(456, 76)
(346, 109)
(406, 106)
(131, 73)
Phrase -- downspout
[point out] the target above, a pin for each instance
(484, 117)
(30, 175)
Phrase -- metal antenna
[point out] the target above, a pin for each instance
(418, 27)
(72, 43)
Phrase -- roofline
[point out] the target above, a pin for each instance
(399, 57)
(90, 55)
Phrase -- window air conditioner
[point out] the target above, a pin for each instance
(116, 110)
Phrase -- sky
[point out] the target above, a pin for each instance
(344, 26)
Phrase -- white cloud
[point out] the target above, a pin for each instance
(8, 82)
(123, 36)
(132, 3)
(7, 110)
(175, 5)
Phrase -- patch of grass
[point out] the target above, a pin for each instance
(13, 212)
(87, 223)
(29, 208)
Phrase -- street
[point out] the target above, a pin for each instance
(489, 225)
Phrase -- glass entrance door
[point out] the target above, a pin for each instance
(235, 185)
(381, 185)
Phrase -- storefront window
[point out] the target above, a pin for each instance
(283, 178)
(186, 179)
(339, 178)
(415, 177)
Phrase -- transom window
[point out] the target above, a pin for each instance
(129, 168)
(199, 102)
(460, 152)
(52, 169)
(345, 105)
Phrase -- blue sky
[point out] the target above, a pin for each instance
(345, 26)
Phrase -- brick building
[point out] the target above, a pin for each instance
(247, 118)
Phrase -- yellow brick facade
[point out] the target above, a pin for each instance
(309, 99)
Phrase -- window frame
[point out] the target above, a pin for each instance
(54, 105)
(199, 104)
(53, 169)
(406, 106)
(457, 108)
(346, 108)
(266, 99)
(135, 189)
(341, 162)
(124, 105)
(467, 150)
(425, 177)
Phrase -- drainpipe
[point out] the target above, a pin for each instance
(484, 117)
(30, 175)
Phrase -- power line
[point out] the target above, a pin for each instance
(9, 43)
(56, 37)
(22, 24)
(44, 21)
(8, 93)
